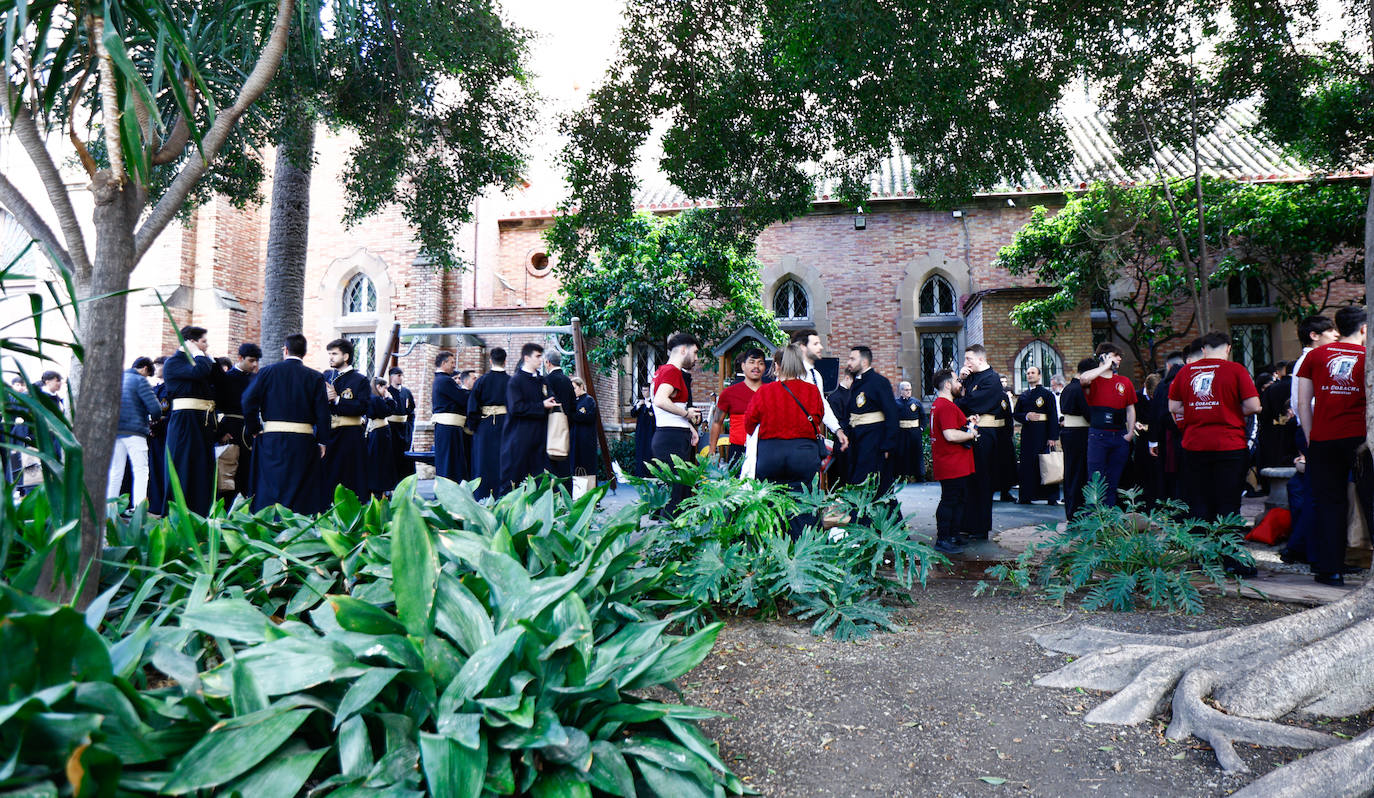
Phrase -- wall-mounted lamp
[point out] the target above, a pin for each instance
(1011, 202)
(860, 221)
(957, 214)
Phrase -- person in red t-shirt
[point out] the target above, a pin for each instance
(1333, 376)
(788, 415)
(732, 403)
(1213, 395)
(1111, 418)
(951, 459)
(675, 419)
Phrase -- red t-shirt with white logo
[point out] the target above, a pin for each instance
(1115, 392)
(733, 401)
(1337, 375)
(1212, 391)
(950, 460)
(670, 375)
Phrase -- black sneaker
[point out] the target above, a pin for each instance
(948, 546)
(1334, 580)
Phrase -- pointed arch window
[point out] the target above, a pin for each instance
(1040, 355)
(359, 296)
(937, 297)
(791, 302)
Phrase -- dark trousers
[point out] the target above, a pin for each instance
(670, 441)
(1213, 482)
(1074, 441)
(949, 515)
(978, 509)
(1330, 465)
(190, 439)
(793, 462)
(1108, 451)
(1304, 516)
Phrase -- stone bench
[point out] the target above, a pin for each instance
(1277, 479)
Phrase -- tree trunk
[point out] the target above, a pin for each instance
(288, 235)
(102, 305)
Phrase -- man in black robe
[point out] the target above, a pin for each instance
(486, 419)
(381, 441)
(838, 473)
(872, 419)
(1006, 476)
(561, 388)
(157, 444)
(911, 448)
(528, 402)
(448, 414)
(983, 397)
(1165, 444)
(644, 434)
(583, 431)
(188, 375)
(229, 391)
(1035, 410)
(1278, 437)
(402, 421)
(350, 398)
(1073, 437)
(286, 412)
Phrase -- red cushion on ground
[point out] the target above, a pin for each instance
(1275, 527)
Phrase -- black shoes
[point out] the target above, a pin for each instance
(948, 546)
(1334, 580)
(1289, 556)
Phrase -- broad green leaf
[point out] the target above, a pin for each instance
(681, 656)
(452, 769)
(610, 772)
(362, 691)
(235, 619)
(355, 749)
(465, 728)
(560, 783)
(359, 616)
(247, 697)
(479, 670)
(663, 781)
(284, 774)
(291, 664)
(689, 735)
(415, 569)
(461, 616)
(230, 751)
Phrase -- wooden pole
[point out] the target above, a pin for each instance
(390, 359)
(580, 359)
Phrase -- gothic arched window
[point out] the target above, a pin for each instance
(937, 297)
(1042, 356)
(790, 302)
(360, 295)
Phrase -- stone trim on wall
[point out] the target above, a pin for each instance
(817, 292)
(336, 278)
(908, 294)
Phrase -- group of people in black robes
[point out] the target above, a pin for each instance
(495, 428)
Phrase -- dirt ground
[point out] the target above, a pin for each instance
(945, 707)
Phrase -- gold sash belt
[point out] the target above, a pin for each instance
(913, 423)
(989, 420)
(1074, 421)
(861, 419)
(298, 427)
(493, 410)
(345, 421)
(397, 419)
(207, 405)
(376, 424)
(450, 419)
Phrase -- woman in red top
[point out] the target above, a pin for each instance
(787, 415)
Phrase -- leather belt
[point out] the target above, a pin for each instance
(450, 419)
(397, 419)
(345, 421)
(298, 427)
(861, 419)
(910, 424)
(1074, 421)
(207, 405)
(493, 410)
(989, 420)
(376, 424)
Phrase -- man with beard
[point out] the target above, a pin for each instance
(402, 422)
(286, 413)
(873, 427)
(813, 349)
(1111, 420)
(983, 397)
(188, 375)
(732, 403)
(1035, 410)
(524, 442)
(675, 419)
(229, 391)
(952, 432)
(486, 420)
(911, 450)
(350, 399)
(1073, 437)
(447, 408)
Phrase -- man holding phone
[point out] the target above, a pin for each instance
(1111, 418)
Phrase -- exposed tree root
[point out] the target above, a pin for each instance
(1316, 662)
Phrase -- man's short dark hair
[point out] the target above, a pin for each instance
(942, 377)
(141, 363)
(1087, 364)
(976, 349)
(1310, 326)
(530, 349)
(1177, 354)
(442, 358)
(1215, 340)
(224, 363)
(1107, 348)
(250, 350)
(1349, 319)
(682, 339)
(497, 356)
(394, 370)
(464, 374)
(343, 345)
(295, 345)
(1192, 348)
(753, 353)
(192, 333)
(803, 337)
(49, 375)
(865, 353)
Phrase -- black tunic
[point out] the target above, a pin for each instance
(345, 460)
(449, 439)
(561, 388)
(1074, 441)
(871, 445)
(287, 466)
(191, 433)
(838, 473)
(1006, 448)
(157, 454)
(644, 437)
(983, 395)
(584, 448)
(1035, 440)
(488, 391)
(229, 391)
(402, 432)
(524, 440)
(911, 449)
(381, 446)
(1278, 442)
